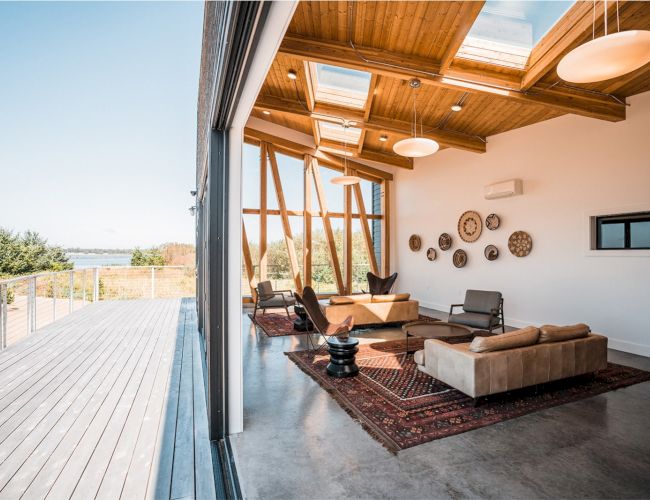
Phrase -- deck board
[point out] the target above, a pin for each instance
(108, 402)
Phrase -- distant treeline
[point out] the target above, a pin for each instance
(99, 250)
(167, 254)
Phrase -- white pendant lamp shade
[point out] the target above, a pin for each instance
(606, 57)
(346, 180)
(416, 147)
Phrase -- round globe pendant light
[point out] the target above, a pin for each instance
(345, 180)
(415, 147)
(609, 56)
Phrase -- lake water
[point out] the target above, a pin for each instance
(85, 260)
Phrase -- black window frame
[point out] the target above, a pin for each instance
(626, 220)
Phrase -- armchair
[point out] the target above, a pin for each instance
(380, 286)
(267, 298)
(481, 309)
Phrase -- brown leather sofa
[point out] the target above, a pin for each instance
(522, 358)
(369, 309)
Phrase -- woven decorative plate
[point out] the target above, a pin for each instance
(444, 242)
(492, 221)
(470, 226)
(460, 258)
(415, 243)
(491, 252)
(520, 243)
(431, 254)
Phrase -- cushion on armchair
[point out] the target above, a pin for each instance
(481, 301)
(475, 320)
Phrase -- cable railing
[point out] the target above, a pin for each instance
(323, 280)
(28, 303)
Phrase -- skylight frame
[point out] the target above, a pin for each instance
(494, 48)
(335, 132)
(338, 94)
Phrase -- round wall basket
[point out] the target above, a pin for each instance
(415, 243)
(460, 258)
(470, 226)
(431, 254)
(491, 252)
(492, 222)
(444, 242)
(520, 243)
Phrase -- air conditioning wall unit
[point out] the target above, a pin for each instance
(503, 189)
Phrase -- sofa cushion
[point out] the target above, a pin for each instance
(338, 300)
(481, 301)
(518, 338)
(391, 297)
(473, 319)
(418, 357)
(552, 333)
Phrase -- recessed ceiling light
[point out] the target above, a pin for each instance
(383, 138)
(292, 75)
(266, 112)
(456, 107)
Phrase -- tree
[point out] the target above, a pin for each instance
(151, 257)
(29, 253)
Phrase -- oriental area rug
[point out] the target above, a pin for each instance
(278, 325)
(402, 407)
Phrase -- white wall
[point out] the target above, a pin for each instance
(571, 166)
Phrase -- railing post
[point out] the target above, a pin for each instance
(95, 284)
(71, 286)
(30, 306)
(53, 297)
(83, 288)
(153, 282)
(3, 316)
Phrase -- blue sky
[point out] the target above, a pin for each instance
(98, 120)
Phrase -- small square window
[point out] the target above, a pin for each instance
(623, 231)
(340, 86)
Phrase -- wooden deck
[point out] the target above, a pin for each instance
(108, 402)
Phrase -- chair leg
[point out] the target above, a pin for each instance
(255, 310)
(287, 309)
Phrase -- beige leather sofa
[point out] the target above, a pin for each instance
(531, 356)
(369, 309)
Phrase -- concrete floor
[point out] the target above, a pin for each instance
(298, 442)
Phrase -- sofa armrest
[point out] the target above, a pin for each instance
(452, 364)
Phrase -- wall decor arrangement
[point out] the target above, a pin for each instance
(520, 243)
(470, 226)
(492, 222)
(415, 243)
(444, 242)
(491, 252)
(460, 258)
(431, 254)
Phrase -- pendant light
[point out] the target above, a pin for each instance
(415, 147)
(345, 180)
(609, 56)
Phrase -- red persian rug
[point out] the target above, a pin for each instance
(402, 407)
(278, 325)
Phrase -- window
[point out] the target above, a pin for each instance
(623, 231)
(505, 32)
(340, 86)
(336, 132)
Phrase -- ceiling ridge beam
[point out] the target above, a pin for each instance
(406, 67)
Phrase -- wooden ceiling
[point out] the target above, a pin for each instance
(398, 41)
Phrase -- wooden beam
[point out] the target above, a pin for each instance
(335, 114)
(306, 238)
(385, 228)
(327, 226)
(263, 210)
(573, 29)
(286, 226)
(333, 161)
(370, 155)
(347, 232)
(463, 22)
(407, 67)
(248, 261)
(313, 213)
(365, 227)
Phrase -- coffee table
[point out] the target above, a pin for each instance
(434, 330)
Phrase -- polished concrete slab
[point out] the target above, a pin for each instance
(299, 443)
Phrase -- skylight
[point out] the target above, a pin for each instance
(340, 86)
(336, 132)
(505, 32)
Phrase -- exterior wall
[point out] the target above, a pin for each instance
(571, 167)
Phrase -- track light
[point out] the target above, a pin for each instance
(292, 75)
(383, 138)
(266, 112)
(456, 108)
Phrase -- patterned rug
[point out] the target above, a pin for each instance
(278, 325)
(402, 407)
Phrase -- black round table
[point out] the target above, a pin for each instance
(342, 357)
